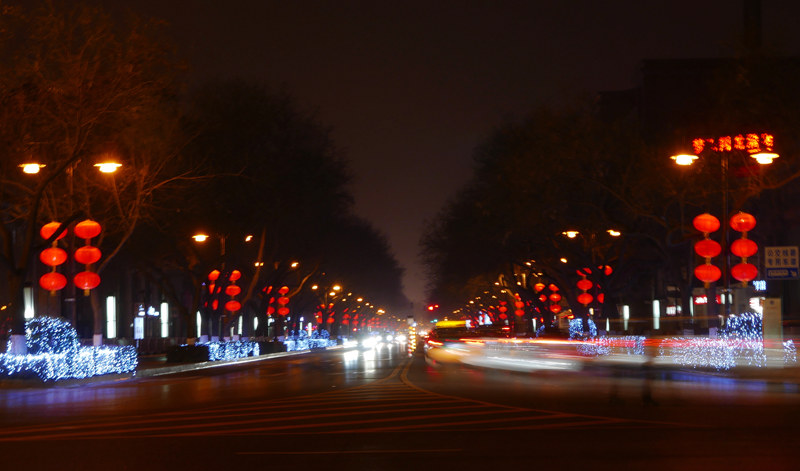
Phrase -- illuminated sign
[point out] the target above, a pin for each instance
(752, 143)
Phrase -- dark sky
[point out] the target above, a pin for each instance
(411, 87)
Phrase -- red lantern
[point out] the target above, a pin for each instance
(232, 290)
(584, 271)
(503, 316)
(553, 287)
(743, 222)
(233, 305)
(542, 298)
(87, 254)
(705, 223)
(87, 229)
(53, 281)
(235, 275)
(585, 284)
(585, 298)
(744, 272)
(331, 320)
(283, 300)
(49, 229)
(607, 270)
(283, 290)
(601, 298)
(707, 248)
(555, 308)
(283, 311)
(502, 309)
(214, 304)
(214, 275)
(519, 312)
(86, 280)
(53, 256)
(519, 304)
(744, 248)
(707, 273)
(270, 310)
(539, 287)
(555, 297)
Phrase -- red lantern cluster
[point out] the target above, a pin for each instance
(283, 301)
(519, 305)
(585, 285)
(52, 257)
(743, 247)
(87, 255)
(707, 248)
(233, 290)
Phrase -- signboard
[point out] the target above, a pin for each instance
(781, 263)
(138, 328)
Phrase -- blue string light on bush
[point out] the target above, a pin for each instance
(54, 353)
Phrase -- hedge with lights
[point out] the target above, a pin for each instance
(54, 353)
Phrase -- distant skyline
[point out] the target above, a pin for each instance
(410, 88)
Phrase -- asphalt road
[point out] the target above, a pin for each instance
(381, 410)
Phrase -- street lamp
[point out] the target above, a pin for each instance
(33, 168)
(759, 147)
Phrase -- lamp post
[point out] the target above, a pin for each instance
(757, 146)
(106, 167)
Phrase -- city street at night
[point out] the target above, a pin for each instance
(381, 409)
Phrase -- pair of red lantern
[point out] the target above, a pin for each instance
(708, 249)
(231, 290)
(55, 256)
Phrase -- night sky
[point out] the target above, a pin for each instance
(411, 87)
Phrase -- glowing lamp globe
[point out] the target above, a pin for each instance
(705, 223)
(53, 256)
(585, 284)
(744, 272)
(539, 287)
(233, 305)
(235, 275)
(707, 273)
(585, 298)
(87, 255)
(744, 248)
(214, 275)
(49, 229)
(743, 222)
(707, 248)
(87, 229)
(86, 280)
(233, 290)
(53, 281)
